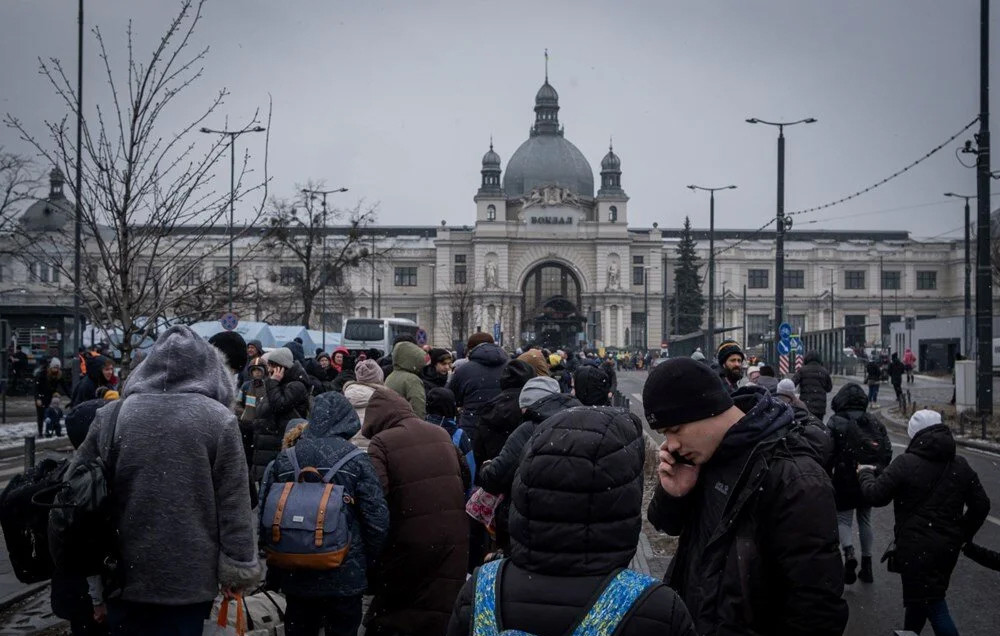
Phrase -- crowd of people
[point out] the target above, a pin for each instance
(497, 492)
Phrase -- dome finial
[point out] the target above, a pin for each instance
(491, 142)
(611, 143)
(546, 66)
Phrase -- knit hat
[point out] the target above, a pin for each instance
(591, 385)
(368, 372)
(322, 354)
(751, 371)
(281, 357)
(922, 419)
(516, 374)
(439, 355)
(729, 348)
(555, 359)
(683, 390)
(786, 387)
(535, 358)
(441, 401)
(537, 388)
(55, 363)
(766, 370)
(233, 346)
(698, 355)
(477, 339)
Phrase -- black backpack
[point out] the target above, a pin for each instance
(83, 535)
(867, 442)
(25, 525)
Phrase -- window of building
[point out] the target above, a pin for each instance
(491, 212)
(798, 323)
(220, 273)
(757, 279)
(190, 275)
(638, 260)
(758, 325)
(638, 274)
(795, 279)
(405, 277)
(290, 276)
(854, 330)
(362, 312)
(891, 279)
(926, 280)
(854, 279)
(42, 273)
(613, 214)
(638, 327)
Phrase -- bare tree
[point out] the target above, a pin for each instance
(306, 265)
(17, 185)
(148, 199)
(458, 312)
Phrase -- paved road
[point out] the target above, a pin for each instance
(877, 608)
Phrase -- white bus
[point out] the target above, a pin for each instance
(366, 334)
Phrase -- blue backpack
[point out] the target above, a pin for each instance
(305, 523)
(602, 619)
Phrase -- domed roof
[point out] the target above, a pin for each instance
(611, 161)
(491, 158)
(547, 160)
(546, 94)
(50, 214)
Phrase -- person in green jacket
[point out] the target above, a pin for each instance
(407, 361)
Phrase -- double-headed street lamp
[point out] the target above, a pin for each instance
(779, 256)
(967, 331)
(323, 268)
(232, 134)
(710, 334)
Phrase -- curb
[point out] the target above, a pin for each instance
(966, 443)
(30, 590)
(52, 443)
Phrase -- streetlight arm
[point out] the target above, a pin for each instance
(755, 120)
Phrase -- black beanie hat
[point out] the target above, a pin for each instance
(441, 401)
(232, 345)
(728, 348)
(682, 390)
(437, 355)
(79, 419)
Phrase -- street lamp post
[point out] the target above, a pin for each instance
(779, 248)
(324, 274)
(967, 328)
(709, 342)
(645, 307)
(232, 134)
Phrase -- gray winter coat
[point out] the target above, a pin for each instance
(180, 484)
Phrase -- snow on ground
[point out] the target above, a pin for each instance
(12, 435)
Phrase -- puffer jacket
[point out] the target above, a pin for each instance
(323, 443)
(424, 479)
(849, 421)
(759, 551)
(407, 361)
(814, 383)
(939, 505)
(284, 401)
(476, 382)
(569, 535)
(501, 415)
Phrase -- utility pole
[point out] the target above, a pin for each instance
(881, 304)
(745, 339)
(324, 272)
(984, 282)
(77, 204)
(967, 335)
(710, 333)
(373, 274)
(832, 321)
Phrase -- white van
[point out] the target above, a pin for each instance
(365, 334)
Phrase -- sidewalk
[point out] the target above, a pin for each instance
(894, 420)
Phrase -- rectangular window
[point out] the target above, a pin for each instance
(638, 327)
(854, 279)
(405, 277)
(638, 274)
(220, 274)
(459, 278)
(189, 274)
(795, 279)
(290, 276)
(638, 260)
(757, 327)
(891, 279)
(926, 280)
(460, 259)
(757, 279)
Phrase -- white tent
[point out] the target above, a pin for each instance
(332, 339)
(287, 333)
(249, 330)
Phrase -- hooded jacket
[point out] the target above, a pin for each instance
(569, 535)
(758, 551)
(180, 479)
(591, 385)
(323, 443)
(424, 479)
(407, 361)
(244, 373)
(939, 504)
(86, 387)
(476, 382)
(298, 353)
(501, 415)
(848, 424)
(284, 401)
(814, 383)
(358, 394)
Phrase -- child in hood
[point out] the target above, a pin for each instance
(54, 417)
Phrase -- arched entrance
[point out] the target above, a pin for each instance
(550, 308)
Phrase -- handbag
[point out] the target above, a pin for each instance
(889, 557)
(482, 506)
(221, 627)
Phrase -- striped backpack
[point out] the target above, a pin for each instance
(602, 619)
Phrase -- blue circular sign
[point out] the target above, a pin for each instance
(229, 321)
(783, 347)
(421, 337)
(785, 330)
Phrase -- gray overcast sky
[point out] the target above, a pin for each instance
(397, 100)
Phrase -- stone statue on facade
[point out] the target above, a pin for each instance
(613, 276)
(491, 275)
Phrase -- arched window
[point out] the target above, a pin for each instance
(491, 212)
(613, 214)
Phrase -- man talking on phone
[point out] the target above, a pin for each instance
(742, 486)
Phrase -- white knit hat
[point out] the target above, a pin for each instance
(786, 387)
(922, 419)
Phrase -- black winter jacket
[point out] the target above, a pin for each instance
(476, 382)
(849, 426)
(896, 370)
(939, 505)
(498, 418)
(609, 368)
(431, 378)
(814, 383)
(758, 551)
(569, 535)
(86, 387)
(285, 401)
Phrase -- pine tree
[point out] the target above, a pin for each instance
(687, 299)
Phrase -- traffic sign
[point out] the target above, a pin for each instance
(229, 321)
(795, 343)
(421, 337)
(784, 331)
(783, 347)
